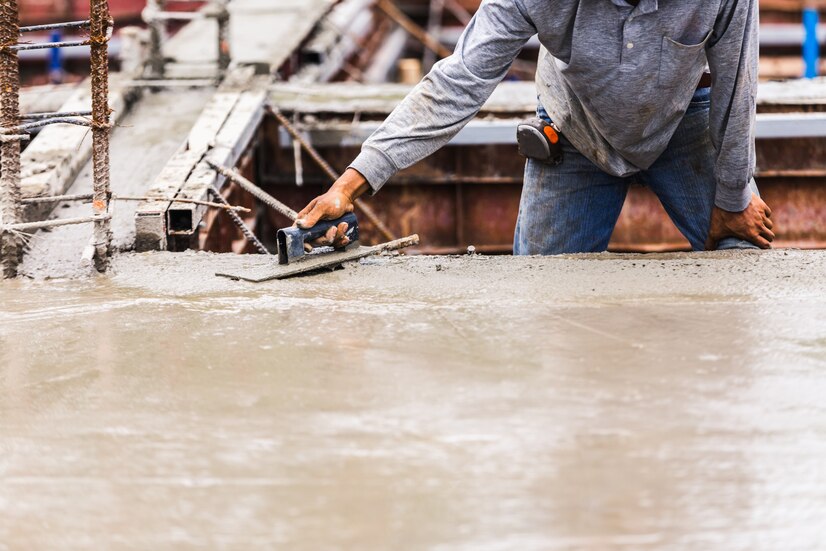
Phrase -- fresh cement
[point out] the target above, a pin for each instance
(668, 402)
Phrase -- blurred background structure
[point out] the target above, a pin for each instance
(197, 84)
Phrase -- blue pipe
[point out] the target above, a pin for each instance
(56, 69)
(811, 45)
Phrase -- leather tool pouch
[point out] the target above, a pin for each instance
(540, 141)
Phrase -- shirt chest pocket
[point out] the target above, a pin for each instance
(681, 63)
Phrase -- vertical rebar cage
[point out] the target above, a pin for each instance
(10, 209)
(14, 128)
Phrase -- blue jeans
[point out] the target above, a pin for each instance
(573, 207)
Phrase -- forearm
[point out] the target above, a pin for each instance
(352, 184)
(450, 95)
(733, 59)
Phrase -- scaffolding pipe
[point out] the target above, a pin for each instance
(10, 208)
(100, 28)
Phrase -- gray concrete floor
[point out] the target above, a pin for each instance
(603, 402)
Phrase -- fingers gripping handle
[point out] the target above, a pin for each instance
(291, 240)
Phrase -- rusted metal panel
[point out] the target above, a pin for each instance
(34, 12)
(469, 195)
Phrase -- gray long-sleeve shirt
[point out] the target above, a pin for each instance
(616, 79)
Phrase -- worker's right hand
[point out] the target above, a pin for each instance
(337, 202)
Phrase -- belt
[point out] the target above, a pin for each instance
(705, 81)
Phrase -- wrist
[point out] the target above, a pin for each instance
(352, 184)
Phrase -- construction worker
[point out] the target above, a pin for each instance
(658, 92)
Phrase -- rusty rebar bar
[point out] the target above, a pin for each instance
(49, 115)
(88, 197)
(254, 190)
(46, 45)
(34, 125)
(248, 234)
(392, 11)
(52, 26)
(101, 24)
(10, 208)
(7, 229)
(369, 213)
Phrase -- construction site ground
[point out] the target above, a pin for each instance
(571, 403)
(141, 145)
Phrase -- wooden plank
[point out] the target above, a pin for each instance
(509, 97)
(230, 143)
(47, 98)
(266, 33)
(151, 218)
(348, 98)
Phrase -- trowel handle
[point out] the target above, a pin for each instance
(291, 240)
(323, 226)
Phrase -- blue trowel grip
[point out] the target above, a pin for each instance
(323, 226)
(291, 240)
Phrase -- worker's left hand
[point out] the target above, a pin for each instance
(753, 225)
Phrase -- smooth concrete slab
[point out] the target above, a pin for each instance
(603, 402)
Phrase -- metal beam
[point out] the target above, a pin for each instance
(503, 131)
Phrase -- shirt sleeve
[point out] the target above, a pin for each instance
(733, 54)
(450, 95)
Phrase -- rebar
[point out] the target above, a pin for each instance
(8, 138)
(6, 229)
(56, 199)
(90, 196)
(46, 45)
(248, 234)
(392, 11)
(325, 166)
(10, 208)
(53, 26)
(101, 25)
(26, 127)
(256, 191)
(35, 116)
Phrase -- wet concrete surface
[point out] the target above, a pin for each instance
(659, 402)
